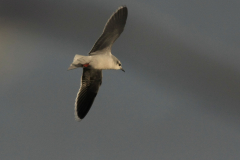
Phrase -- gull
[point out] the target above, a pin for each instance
(100, 57)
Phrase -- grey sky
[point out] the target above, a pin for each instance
(178, 99)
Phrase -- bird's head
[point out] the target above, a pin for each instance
(117, 64)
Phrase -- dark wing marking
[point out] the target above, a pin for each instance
(112, 30)
(90, 83)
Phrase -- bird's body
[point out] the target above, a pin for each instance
(100, 58)
(98, 61)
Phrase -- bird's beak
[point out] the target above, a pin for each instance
(122, 69)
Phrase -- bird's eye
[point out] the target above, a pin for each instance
(119, 64)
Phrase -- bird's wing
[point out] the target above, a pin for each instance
(111, 31)
(90, 83)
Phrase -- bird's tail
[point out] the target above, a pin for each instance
(72, 67)
(78, 61)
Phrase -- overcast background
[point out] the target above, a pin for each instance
(179, 98)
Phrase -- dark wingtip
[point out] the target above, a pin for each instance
(77, 118)
(123, 7)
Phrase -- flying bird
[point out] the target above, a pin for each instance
(100, 57)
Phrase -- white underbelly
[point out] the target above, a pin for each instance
(101, 62)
